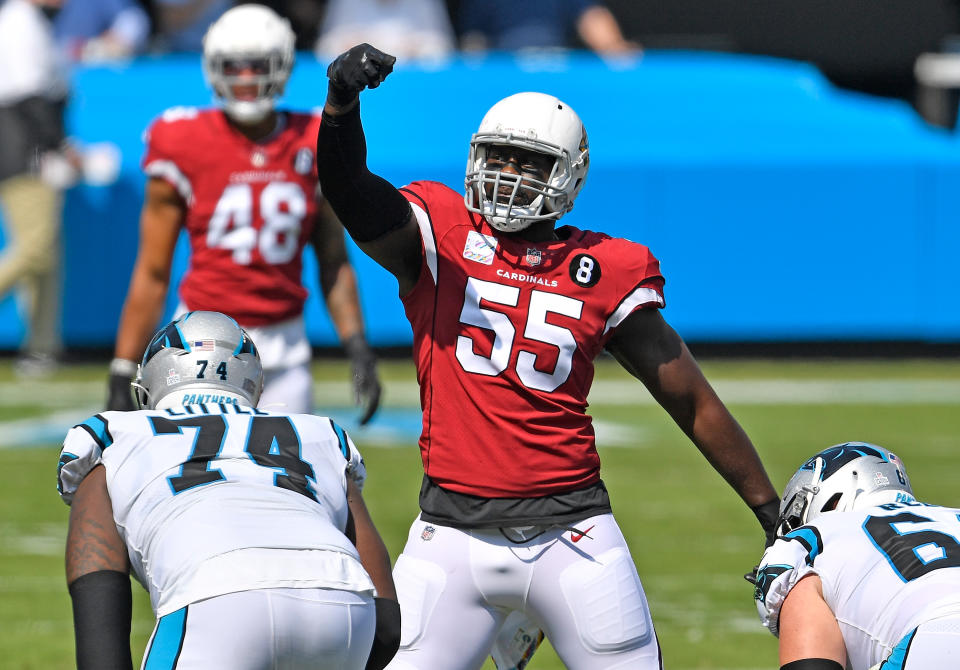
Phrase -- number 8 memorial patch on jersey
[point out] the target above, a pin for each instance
(585, 270)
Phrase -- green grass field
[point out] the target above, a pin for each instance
(691, 537)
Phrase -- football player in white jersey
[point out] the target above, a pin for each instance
(247, 528)
(862, 575)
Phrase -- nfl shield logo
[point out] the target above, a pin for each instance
(427, 533)
(533, 257)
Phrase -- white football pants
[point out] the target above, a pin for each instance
(266, 629)
(935, 644)
(456, 588)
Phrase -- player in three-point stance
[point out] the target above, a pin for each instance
(247, 527)
(862, 574)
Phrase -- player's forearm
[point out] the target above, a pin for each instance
(373, 552)
(339, 287)
(102, 611)
(141, 314)
(368, 206)
(93, 543)
(728, 449)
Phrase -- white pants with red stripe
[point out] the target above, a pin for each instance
(456, 588)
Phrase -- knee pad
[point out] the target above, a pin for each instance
(607, 602)
(419, 585)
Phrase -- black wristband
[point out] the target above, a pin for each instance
(812, 664)
(386, 639)
(102, 607)
(339, 96)
(767, 514)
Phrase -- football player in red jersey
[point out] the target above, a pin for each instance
(508, 312)
(240, 180)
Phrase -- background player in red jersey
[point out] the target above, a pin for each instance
(241, 182)
(508, 313)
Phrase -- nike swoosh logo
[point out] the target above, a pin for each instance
(576, 537)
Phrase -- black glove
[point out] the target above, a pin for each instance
(767, 514)
(119, 395)
(356, 69)
(363, 368)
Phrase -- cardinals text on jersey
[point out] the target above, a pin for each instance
(511, 328)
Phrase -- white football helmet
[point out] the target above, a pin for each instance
(200, 357)
(251, 35)
(844, 477)
(535, 122)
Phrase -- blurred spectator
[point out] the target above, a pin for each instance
(405, 28)
(181, 24)
(101, 30)
(511, 25)
(304, 16)
(33, 94)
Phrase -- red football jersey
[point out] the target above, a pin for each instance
(250, 209)
(505, 334)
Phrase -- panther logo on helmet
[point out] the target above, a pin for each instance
(844, 477)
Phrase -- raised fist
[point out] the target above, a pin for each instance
(360, 67)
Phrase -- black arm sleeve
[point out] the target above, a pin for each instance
(812, 664)
(367, 205)
(386, 639)
(102, 608)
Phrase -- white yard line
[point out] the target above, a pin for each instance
(606, 392)
(742, 391)
(399, 421)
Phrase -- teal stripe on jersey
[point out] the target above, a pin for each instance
(167, 641)
(898, 656)
(342, 436)
(97, 427)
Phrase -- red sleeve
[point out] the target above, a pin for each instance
(640, 283)
(165, 140)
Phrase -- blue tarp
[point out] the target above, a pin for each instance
(781, 207)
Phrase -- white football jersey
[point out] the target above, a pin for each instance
(218, 498)
(885, 570)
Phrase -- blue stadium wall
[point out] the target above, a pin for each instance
(780, 207)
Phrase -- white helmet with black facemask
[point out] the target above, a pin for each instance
(532, 122)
